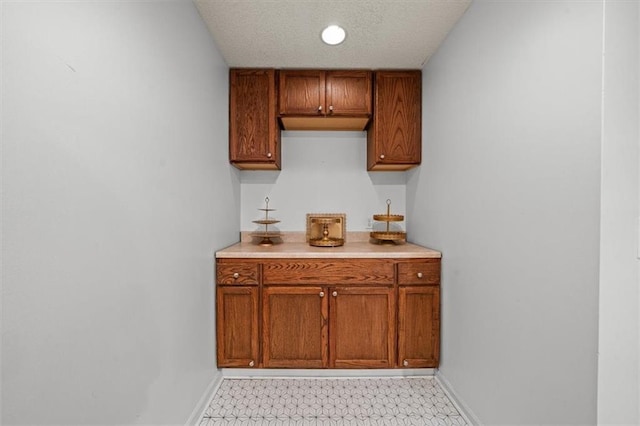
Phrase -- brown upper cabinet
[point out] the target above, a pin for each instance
(254, 134)
(325, 100)
(262, 101)
(394, 139)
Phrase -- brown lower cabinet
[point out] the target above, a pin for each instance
(237, 326)
(419, 326)
(393, 322)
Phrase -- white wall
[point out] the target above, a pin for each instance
(509, 191)
(322, 172)
(116, 193)
(619, 325)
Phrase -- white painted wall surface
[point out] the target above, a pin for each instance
(322, 172)
(509, 191)
(619, 360)
(116, 193)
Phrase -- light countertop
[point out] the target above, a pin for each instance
(302, 250)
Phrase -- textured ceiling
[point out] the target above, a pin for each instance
(286, 33)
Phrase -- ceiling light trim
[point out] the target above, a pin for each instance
(333, 35)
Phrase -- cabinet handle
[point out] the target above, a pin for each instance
(236, 275)
(405, 363)
(320, 108)
(322, 294)
(268, 155)
(419, 274)
(382, 156)
(251, 363)
(334, 294)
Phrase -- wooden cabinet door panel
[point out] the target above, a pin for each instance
(348, 92)
(302, 92)
(295, 327)
(254, 136)
(362, 327)
(419, 326)
(394, 140)
(237, 326)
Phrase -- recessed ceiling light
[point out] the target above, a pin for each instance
(333, 35)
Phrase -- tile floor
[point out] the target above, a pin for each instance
(341, 401)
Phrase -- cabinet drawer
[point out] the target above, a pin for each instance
(244, 273)
(318, 271)
(419, 272)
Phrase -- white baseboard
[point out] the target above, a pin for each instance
(458, 402)
(204, 401)
(324, 373)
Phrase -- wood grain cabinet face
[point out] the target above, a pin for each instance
(418, 326)
(335, 327)
(362, 327)
(341, 97)
(328, 313)
(237, 326)
(295, 327)
(335, 271)
(254, 134)
(237, 272)
(348, 92)
(302, 92)
(425, 272)
(394, 138)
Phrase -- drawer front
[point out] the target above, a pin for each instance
(425, 272)
(244, 273)
(335, 271)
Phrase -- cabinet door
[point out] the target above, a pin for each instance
(394, 139)
(254, 135)
(302, 92)
(295, 327)
(237, 326)
(362, 327)
(348, 92)
(419, 326)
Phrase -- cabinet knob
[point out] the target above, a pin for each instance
(251, 363)
(405, 363)
(419, 274)
(322, 294)
(320, 108)
(382, 156)
(268, 155)
(334, 294)
(236, 275)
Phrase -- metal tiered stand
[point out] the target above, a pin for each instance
(388, 237)
(266, 235)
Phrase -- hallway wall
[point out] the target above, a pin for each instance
(509, 191)
(116, 193)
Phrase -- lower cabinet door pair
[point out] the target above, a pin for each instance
(335, 327)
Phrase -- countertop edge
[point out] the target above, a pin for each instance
(348, 251)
